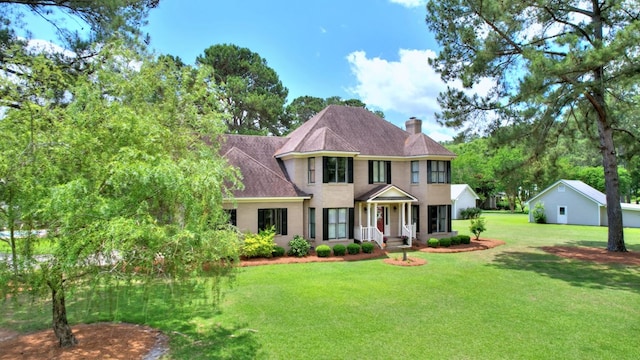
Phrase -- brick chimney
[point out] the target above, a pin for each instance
(413, 125)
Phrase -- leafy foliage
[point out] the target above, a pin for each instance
(445, 242)
(299, 246)
(433, 242)
(470, 213)
(367, 247)
(278, 251)
(539, 216)
(323, 250)
(250, 90)
(353, 249)
(477, 227)
(339, 250)
(118, 173)
(259, 245)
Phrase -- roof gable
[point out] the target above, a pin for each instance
(458, 189)
(577, 186)
(386, 193)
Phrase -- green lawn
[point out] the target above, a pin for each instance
(511, 302)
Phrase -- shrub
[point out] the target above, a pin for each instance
(433, 242)
(353, 249)
(278, 251)
(258, 245)
(477, 227)
(298, 246)
(470, 213)
(339, 250)
(323, 250)
(445, 242)
(367, 248)
(455, 240)
(539, 215)
(465, 239)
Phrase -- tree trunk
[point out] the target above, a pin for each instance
(612, 184)
(615, 241)
(60, 324)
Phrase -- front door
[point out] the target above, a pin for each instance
(562, 214)
(382, 219)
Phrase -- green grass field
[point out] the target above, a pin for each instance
(511, 302)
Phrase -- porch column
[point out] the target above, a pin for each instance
(368, 215)
(400, 218)
(409, 220)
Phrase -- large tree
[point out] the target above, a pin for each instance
(118, 174)
(250, 90)
(551, 62)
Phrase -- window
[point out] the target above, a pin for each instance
(233, 217)
(379, 172)
(337, 170)
(415, 216)
(439, 172)
(273, 217)
(311, 170)
(337, 223)
(312, 223)
(415, 172)
(439, 218)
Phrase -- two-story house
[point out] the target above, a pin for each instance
(345, 175)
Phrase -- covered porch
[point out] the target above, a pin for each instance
(385, 214)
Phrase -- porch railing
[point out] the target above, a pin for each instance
(407, 232)
(371, 234)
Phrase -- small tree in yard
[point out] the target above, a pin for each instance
(119, 175)
(477, 227)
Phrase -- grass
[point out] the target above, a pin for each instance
(511, 302)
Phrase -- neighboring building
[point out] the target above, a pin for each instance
(462, 197)
(574, 202)
(344, 175)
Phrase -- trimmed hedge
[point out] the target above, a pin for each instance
(455, 240)
(367, 248)
(353, 249)
(465, 239)
(446, 242)
(258, 245)
(323, 250)
(339, 250)
(278, 251)
(433, 242)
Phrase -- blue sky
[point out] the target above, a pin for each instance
(372, 50)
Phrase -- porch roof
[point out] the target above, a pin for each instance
(386, 192)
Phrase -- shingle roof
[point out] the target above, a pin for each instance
(263, 175)
(354, 129)
(580, 187)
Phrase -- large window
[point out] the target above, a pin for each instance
(311, 170)
(273, 217)
(439, 218)
(439, 172)
(337, 223)
(337, 169)
(312, 223)
(379, 172)
(415, 172)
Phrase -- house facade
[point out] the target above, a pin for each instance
(345, 175)
(462, 197)
(574, 202)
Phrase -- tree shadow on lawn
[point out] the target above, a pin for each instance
(601, 244)
(575, 272)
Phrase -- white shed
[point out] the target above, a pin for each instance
(462, 197)
(574, 202)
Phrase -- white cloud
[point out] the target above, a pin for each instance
(410, 3)
(407, 87)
